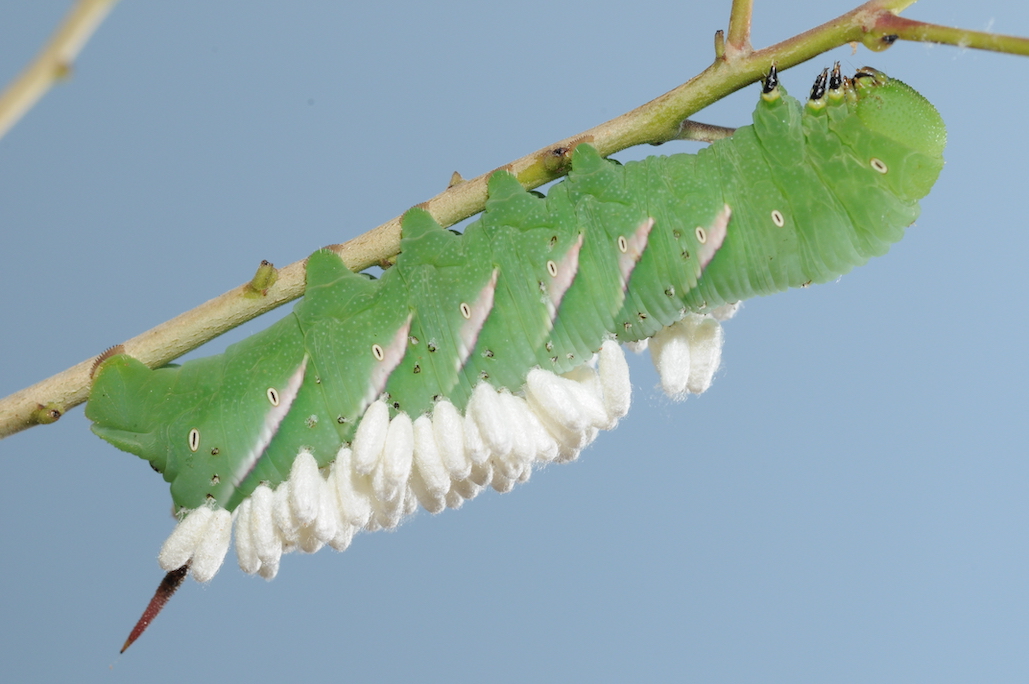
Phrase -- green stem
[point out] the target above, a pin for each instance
(890, 28)
(735, 66)
(739, 26)
(54, 61)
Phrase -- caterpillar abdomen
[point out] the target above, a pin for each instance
(467, 363)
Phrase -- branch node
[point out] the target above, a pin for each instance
(263, 279)
(45, 415)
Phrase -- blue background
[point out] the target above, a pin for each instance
(846, 504)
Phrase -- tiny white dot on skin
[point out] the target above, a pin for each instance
(466, 311)
(878, 165)
(378, 353)
(552, 269)
(623, 244)
(701, 235)
(194, 439)
(273, 396)
(777, 218)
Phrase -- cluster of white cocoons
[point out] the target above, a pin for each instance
(440, 460)
(688, 352)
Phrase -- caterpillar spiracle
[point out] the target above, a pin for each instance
(480, 356)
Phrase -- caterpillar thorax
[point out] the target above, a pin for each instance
(479, 323)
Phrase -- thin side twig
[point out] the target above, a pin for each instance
(53, 62)
(738, 38)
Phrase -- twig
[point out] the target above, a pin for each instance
(660, 120)
(739, 28)
(702, 132)
(54, 61)
(890, 28)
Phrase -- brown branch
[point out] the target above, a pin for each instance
(655, 122)
(702, 132)
(54, 61)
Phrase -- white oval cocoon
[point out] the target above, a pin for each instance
(371, 437)
(184, 539)
(211, 550)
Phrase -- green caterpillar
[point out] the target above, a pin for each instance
(469, 361)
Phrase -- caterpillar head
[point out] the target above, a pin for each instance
(896, 111)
